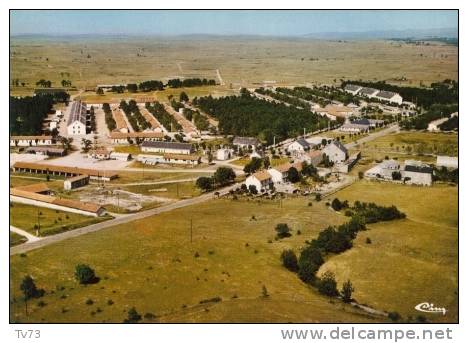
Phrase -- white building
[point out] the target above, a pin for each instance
(416, 172)
(352, 89)
(167, 147)
(120, 156)
(31, 140)
(447, 161)
(135, 137)
(336, 152)
(279, 174)
(261, 180)
(390, 97)
(368, 92)
(313, 157)
(223, 154)
(76, 124)
(383, 170)
(298, 147)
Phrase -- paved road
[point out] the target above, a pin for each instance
(30, 238)
(28, 246)
(374, 135)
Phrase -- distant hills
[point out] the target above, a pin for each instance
(355, 35)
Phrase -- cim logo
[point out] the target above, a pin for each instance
(430, 308)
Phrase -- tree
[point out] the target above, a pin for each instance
(336, 204)
(85, 274)
(132, 87)
(29, 289)
(254, 164)
(85, 145)
(253, 189)
(282, 230)
(289, 259)
(266, 162)
(327, 284)
(183, 97)
(347, 291)
(361, 175)
(293, 175)
(132, 316)
(204, 183)
(396, 175)
(224, 176)
(99, 91)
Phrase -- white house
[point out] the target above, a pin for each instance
(447, 161)
(223, 154)
(31, 140)
(167, 147)
(298, 147)
(261, 180)
(383, 170)
(279, 174)
(133, 137)
(76, 124)
(336, 152)
(120, 156)
(313, 157)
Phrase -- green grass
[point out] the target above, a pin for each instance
(51, 221)
(409, 261)
(174, 190)
(16, 239)
(129, 149)
(150, 264)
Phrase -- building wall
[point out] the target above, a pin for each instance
(76, 128)
(30, 142)
(165, 150)
(417, 178)
(334, 154)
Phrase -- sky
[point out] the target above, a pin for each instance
(224, 22)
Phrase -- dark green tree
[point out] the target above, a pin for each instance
(84, 274)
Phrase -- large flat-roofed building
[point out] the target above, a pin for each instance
(48, 151)
(31, 140)
(352, 89)
(135, 137)
(447, 161)
(167, 147)
(43, 168)
(368, 92)
(76, 124)
(418, 173)
(390, 97)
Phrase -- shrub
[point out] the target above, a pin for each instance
(298, 232)
(85, 274)
(110, 302)
(282, 230)
(89, 302)
(132, 316)
(41, 303)
(265, 292)
(327, 284)
(347, 291)
(368, 240)
(394, 316)
(336, 205)
(28, 286)
(289, 259)
(318, 197)
(149, 316)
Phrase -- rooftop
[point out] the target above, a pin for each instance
(386, 94)
(77, 112)
(246, 140)
(34, 188)
(65, 169)
(262, 175)
(167, 145)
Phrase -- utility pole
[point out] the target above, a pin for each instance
(191, 230)
(38, 230)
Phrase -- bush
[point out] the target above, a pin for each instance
(347, 292)
(327, 284)
(110, 302)
(318, 197)
(149, 316)
(394, 316)
(28, 286)
(133, 316)
(368, 240)
(89, 302)
(282, 230)
(85, 274)
(204, 183)
(336, 204)
(289, 259)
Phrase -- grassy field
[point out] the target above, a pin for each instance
(176, 190)
(16, 239)
(419, 143)
(151, 264)
(51, 221)
(409, 261)
(241, 62)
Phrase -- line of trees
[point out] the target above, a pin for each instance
(335, 240)
(27, 113)
(44, 83)
(199, 120)
(157, 109)
(322, 95)
(246, 115)
(194, 82)
(110, 121)
(135, 118)
(223, 176)
(283, 97)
